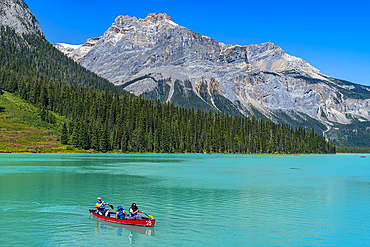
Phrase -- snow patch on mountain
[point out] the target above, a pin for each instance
(260, 77)
(66, 48)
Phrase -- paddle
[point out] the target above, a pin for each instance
(150, 217)
(110, 206)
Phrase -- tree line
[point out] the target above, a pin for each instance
(357, 150)
(33, 55)
(103, 120)
(102, 117)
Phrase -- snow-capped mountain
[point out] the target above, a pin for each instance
(66, 48)
(159, 59)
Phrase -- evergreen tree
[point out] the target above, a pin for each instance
(95, 137)
(104, 137)
(76, 134)
(103, 117)
(64, 135)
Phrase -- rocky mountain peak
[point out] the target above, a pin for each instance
(17, 15)
(122, 21)
(270, 57)
(155, 17)
(123, 24)
(265, 47)
(158, 59)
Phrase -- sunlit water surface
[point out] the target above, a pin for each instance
(276, 200)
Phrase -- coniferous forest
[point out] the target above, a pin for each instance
(103, 117)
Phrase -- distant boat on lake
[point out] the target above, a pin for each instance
(362, 156)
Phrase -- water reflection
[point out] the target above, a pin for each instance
(276, 200)
(100, 225)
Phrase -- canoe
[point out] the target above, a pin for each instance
(112, 218)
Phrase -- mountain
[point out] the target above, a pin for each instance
(24, 49)
(95, 114)
(156, 58)
(17, 15)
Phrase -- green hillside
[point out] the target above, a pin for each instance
(24, 128)
(32, 55)
(102, 117)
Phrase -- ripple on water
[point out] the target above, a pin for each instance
(196, 200)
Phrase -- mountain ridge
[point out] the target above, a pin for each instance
(156, 58)
(103, 117)
(137, 53)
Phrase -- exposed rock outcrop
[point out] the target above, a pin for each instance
(17, 15)
(249, 79)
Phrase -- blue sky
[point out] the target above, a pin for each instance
(333, 36)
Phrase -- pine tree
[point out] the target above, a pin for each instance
(101, 116)
(104, 137)
(64, 135)
(76, 134)
(95, 136)
(84, 136)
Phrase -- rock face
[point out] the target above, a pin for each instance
(144, 46)
(17, 15)
(158, 59)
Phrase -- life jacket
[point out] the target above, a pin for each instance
(101, 208)
(132, 211)
(121, 214)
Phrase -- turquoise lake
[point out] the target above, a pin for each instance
(197, 200)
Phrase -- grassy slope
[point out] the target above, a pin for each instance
(21, 128)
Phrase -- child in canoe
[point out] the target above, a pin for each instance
(121, 214)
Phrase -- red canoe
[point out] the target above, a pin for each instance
(111, 218)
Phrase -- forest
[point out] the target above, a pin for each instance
(102, 117)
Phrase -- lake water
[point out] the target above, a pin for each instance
(219, 200)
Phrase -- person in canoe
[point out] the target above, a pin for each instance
(121, 214)
(133, 212)
(100, 207)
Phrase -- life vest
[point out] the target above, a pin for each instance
(131, 209)
(101, 208)
(121, 214)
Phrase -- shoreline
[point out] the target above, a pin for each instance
(151, 153)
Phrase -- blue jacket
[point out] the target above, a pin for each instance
(121, 214)
(101, 208)
(132, 211)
